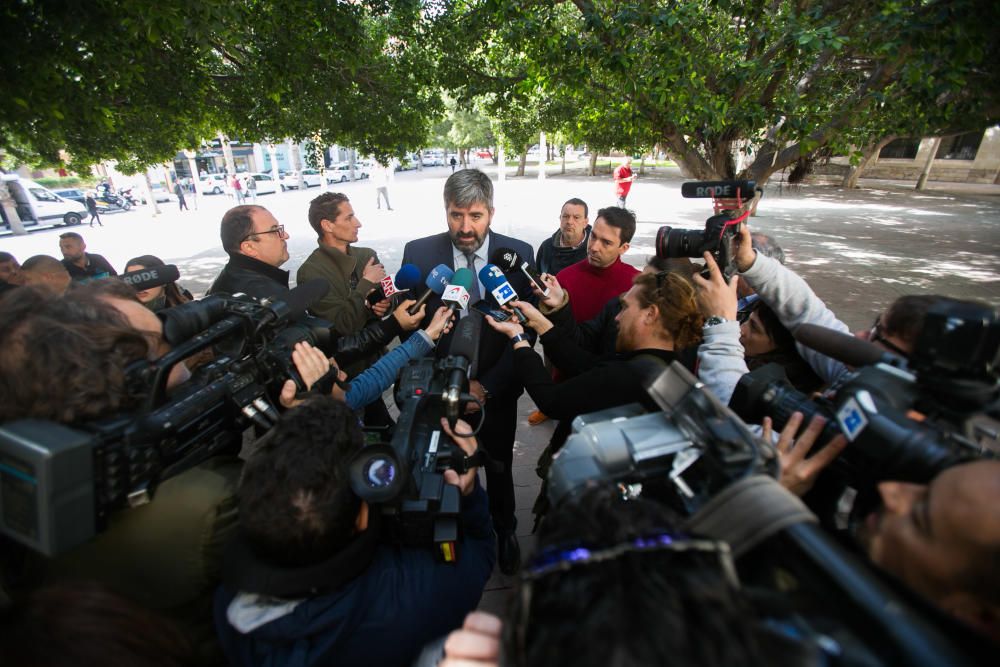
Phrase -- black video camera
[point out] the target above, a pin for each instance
(59, 483)
(952, 375)
(719, 235)
(406, 476)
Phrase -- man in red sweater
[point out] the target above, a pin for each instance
(591, 282)
(623, 180)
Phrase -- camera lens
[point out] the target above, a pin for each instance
(379, 473)
(672, 242)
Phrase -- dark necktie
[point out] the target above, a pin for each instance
(477, 318)
(474, 296)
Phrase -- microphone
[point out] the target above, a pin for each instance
(154, 276)
(462, 349)
(509, 260)
(718, 189)
(456, 295)
(406, 278)
(296, 302)
(496, 282)
(845, 347)
(437, 281)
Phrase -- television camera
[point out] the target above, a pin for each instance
(59, 483)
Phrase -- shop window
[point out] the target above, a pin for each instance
(900, 149)
(960, 147)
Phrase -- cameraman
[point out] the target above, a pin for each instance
(308, 581)
(65, 360)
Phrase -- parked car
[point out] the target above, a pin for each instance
(35, 204)
(340, 172)
(433, 160)
(266, 184)
(289, 180)
(213, 184)
(74, 194)
(161, 193)
(484, 154)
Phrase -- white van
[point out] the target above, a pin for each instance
(37, 204)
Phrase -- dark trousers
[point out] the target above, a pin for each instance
(497, 436)
(93, 217)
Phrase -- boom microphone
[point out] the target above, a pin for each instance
(296, 302)
(154, 276)
(509, 260)
(844, 347)
(437, 281)
(719, 189)
(496, 282)
(456, 295)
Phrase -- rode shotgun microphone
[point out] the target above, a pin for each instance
(496, 282)
(845, 347)
(509, 260)
(719, 189)
(456, 295)
(406, 278)
(437, 281)
(154, 276)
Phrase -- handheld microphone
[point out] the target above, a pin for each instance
(456, 295)
(154, 276)
(844, 347)
(406, 278)
(509, 260)
(462, 350)
(496, 282)
(437, 281)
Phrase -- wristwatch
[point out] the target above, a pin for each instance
(514, 340)
(714, 320)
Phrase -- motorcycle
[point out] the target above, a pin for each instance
(110, 201)
(130, 198)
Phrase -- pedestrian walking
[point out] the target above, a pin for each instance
(92, 208)
(179, 191)
(237, 189)
(452, 162)
(383, 175)
(251, 188)
(623, 180)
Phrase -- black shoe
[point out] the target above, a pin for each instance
(508, 552)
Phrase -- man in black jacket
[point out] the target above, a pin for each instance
(569, 244)
(468, 243)
(258, 245)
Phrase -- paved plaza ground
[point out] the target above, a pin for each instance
(859, 250)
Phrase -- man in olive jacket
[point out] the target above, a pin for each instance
(352, 271)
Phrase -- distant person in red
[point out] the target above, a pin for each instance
(623, 180)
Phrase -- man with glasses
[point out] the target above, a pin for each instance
(257, 247)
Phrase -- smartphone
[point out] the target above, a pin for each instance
(485, 308)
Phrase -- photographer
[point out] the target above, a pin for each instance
(64, 360)
(308, 581)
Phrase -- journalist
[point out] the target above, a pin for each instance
(308, 581)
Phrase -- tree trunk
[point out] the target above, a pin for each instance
(563, 171)
(869, 156)
(642, 165)
(592, 170)
(925, 174)
(523, 160)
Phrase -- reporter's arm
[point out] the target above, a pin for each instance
(721, 361)
(370, 384)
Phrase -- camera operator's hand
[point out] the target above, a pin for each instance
(557, 295)
(467, 482)
(311, 364)
(536, 320)
(715, 295)
(407, 321)
(745, 254)
(510, 328)
(381, 307)
(373, 272)
(440, 323)
(798, 473)
(477, 644)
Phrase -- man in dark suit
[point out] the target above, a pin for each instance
(468, 243)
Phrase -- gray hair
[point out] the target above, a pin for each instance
(467, 187)
(766, 245)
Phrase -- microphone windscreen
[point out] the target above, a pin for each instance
(506, 259)
(153, 276)
(439, 278)
(842, 347)
(718, 189)
(305, 295)
(463, 339)
(464, 278)
(407, 277)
